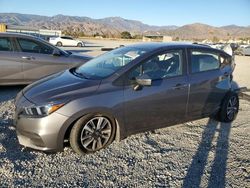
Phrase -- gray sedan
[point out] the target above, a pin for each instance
(24, 59)
(128, 90)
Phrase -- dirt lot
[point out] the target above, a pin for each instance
(202, 153)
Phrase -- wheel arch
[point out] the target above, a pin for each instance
(59, 42)
(67, 127)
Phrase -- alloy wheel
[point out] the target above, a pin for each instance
(232, 108)
(96, 133)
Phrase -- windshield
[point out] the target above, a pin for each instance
(108, 63)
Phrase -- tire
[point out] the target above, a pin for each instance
(79, 44)
(229, 107)
(85, 137)
(59, 44)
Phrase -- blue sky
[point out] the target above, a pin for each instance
(153, 12)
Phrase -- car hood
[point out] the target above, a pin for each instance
(59, 87)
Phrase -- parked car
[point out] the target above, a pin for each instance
(24, 59)
(243, 51)
(126, 91)
(66, 41)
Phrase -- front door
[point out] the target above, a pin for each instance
(164, 102)
(38, 60)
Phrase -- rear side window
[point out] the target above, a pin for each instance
(68, 38)
(204, 61)
(34, 47)
(5, 44)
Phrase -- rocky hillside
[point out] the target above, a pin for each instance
(113, 26)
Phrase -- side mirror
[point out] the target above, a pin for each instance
(144, 80)
(56, 52)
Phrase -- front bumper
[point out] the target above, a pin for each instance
(46, 133)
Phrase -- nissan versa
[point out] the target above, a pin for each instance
(126, 91)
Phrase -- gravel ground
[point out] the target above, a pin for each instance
(202, 153)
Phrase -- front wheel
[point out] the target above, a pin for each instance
(229, 107)
(92, 133)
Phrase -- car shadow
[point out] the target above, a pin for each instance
(218, 169)
(11, 153)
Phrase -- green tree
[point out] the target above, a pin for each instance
(177, 39)
(126, 35)
(215, 39)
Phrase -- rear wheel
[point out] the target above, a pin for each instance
(229, 108)
(59, 44)
(92, 133)
(79, 44)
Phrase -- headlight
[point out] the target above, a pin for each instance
(40, 111)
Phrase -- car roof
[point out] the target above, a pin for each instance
(156, 45)
(8, 34)
(169, 45)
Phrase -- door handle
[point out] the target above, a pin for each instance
(28, 57)
(179, 86)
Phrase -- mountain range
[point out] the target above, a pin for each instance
(113, 26)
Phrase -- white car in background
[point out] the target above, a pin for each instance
(65, 41)
(246, 50)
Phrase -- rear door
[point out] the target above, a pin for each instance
(10, 63)
(164, 102)
(208, 82)
(38, 60)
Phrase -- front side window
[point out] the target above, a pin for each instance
(160, 66)
(34, 47)
(108, 63)
(5, 44)
(204, 61)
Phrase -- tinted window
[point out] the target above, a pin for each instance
(5, 44)
(160, 66)
(34, 47)
(204, 61)
(69, 38)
